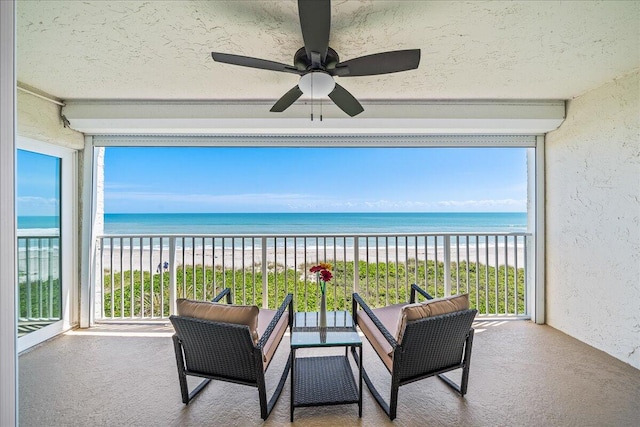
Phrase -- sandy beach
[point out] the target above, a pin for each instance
(154, 260)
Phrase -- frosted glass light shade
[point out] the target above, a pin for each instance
(317, 84)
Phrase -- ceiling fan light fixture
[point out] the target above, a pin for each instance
(316, 84)
(312, 61)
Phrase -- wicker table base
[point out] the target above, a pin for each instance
(312, 387)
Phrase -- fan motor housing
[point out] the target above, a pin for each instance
(302, 61)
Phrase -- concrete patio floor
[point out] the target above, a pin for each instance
(522, 374)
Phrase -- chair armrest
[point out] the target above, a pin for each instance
(415, 288)
(287, 303)
(225, 291)
(387, 335)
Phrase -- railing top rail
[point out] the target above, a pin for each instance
(38, 236)
(315, 235)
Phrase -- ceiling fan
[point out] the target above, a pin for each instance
(317, 64)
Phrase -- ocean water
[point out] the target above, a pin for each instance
(346, 224)
(313, 223)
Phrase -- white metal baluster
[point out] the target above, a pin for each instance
(253, 266)
(436, 266)
(397, 267)
(101, 272)
(515, 275)
(233, 269)
(486, 274)
(224, 267)
(121, 278)
(244, 276)
(367, 261)
(173, 309)
(406, 265)
(528, 243)
(356, 266)
(286, 267)
(447, 265)
(316, 262)
(265, 279)
(50, 265)
(193, 268)
(506, 275)
(426, 263)
(204, 270)
(131, 282)
(306, 283)
(495, 250)
(214, 281)
(151, 282)
(40, 277)
(377, 270)
(112, 279)
(140, 265)
(415, 249)
(275, 272)
(386, 275)
(457, 265)
(478, 273)
(468, 285)
(295, 269)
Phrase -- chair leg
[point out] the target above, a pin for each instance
(464, 381)
(393, 401)
(376, 394)
(262, 397)
(467, 363)
(182, 376)
(266, 408)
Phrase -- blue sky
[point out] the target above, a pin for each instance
(38, 184)
(168, 180)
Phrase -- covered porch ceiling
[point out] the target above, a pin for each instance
(139, 60)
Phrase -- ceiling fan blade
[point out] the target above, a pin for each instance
(379, 63)
(247, 61)
(345, 101)
(286, 100)
(315, 23)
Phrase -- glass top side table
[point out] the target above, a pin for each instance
(324, 380)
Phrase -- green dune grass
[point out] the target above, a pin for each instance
(144, 294)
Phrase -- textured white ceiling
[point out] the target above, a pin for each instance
(470, 50)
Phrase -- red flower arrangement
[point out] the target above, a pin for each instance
(323, 272)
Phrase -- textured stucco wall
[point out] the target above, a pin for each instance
(593, 220)
(40, 120)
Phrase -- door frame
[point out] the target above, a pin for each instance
(68, 239)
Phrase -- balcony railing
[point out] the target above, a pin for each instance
(38, 281)
(140, 276)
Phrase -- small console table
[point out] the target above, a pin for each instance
(324, 380)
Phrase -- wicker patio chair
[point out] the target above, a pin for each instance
(229, 343)
(418, 340)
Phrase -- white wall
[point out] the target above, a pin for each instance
(40, 120)
(593, 220)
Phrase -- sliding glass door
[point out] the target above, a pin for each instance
(45, 253)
